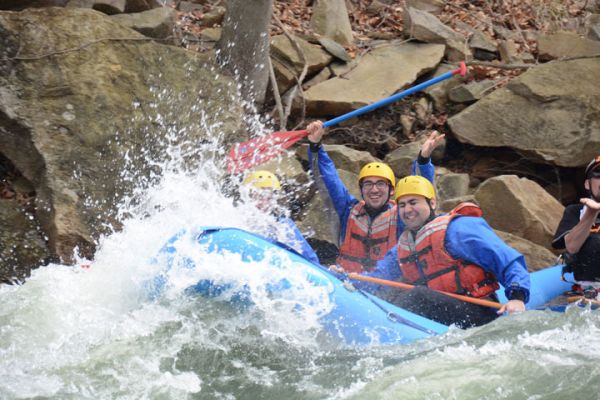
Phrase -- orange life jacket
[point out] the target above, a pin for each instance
(423, 259)
(366, 241)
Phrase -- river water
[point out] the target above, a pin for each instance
(93, 332)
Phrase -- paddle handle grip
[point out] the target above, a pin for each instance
(462, 70)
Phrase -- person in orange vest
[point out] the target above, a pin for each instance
(370, 227)
(264, 188)
(456, 252)
(579, 231)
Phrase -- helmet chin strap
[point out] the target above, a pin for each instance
(431, 212)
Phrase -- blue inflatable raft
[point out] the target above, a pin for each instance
(356, 317)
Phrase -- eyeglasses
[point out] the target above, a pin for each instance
(381, 185)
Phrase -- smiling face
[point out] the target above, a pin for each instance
(375, 191)
(414, 210)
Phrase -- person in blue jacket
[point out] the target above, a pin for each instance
(456, 252)
(370, 227)
(264, 187)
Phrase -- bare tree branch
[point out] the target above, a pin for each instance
(300, 79)
(276, 93)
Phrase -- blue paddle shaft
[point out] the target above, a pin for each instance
(388, 100)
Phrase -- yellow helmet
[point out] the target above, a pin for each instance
(377, 169)
(414, 184)
(263, 180)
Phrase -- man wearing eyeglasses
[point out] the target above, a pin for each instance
(579, 231)
(368, 228)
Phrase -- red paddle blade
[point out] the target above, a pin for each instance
(260, 150)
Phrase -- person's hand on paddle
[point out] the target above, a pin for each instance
(315, 131)
(337, 269)
(434, 139)
(513, 306)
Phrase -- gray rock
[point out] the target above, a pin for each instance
(470, 92)
(536, 257)
(548, 109)
(401, 159)
(452, 185)
(508, 51)
(188, 6)
(157, 23)
(213, 17)
(108, 7)
(330, 19)
(68, 120)
(446, 205)
(428, 28)
(521, 207)
(380, 74)
(288, 64)
(566, 45)
(134, 6)
(335, 49)
(211, 34)
(347, 158)
(431, 6)
(439, 92)
(593, 27)
(482, 41)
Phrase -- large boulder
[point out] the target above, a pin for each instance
(86, 117)
(536, 257)
(380, 74)
(521, 207)
(550, 113)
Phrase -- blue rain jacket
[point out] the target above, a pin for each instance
(470, 239)
(296, 240)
